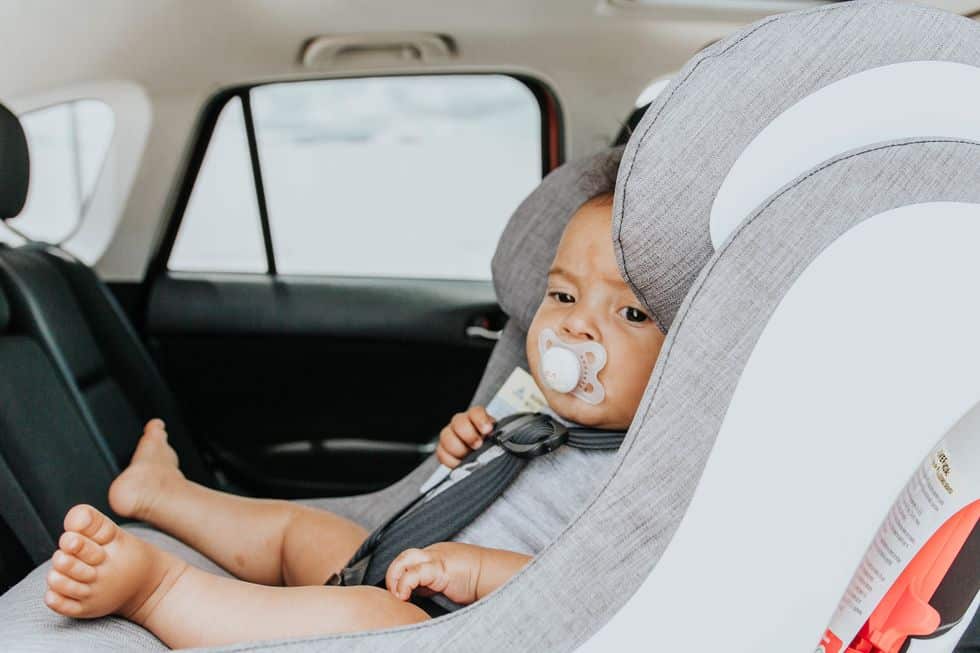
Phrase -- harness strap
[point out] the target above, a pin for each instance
(461, 497)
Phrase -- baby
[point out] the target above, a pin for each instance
(282, 552)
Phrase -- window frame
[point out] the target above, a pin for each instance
(552, 155)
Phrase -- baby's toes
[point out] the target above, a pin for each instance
(91, 523)
(62, 604)
(82, 548)
(65, 586)
(72, 567)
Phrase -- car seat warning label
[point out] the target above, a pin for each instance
(927, 510)
(918, 510)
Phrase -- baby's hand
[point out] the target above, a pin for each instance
(447, 568)
(464, 433)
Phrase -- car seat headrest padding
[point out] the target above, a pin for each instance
(529, 241)
(14, 165)
(695, 130)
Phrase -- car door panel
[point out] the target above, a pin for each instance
(319, 386)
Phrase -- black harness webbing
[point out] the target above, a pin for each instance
(458, 499)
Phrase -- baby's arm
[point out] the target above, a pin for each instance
(463, 572)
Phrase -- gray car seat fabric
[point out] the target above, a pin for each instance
(671, 170)
(28, 625)
(529, 241)
(703, 120)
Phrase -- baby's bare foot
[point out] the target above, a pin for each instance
(153, 467)
(100, 569)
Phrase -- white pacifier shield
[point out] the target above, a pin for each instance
(560, 369)
(572, 367)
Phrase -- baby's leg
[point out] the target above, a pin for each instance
(262, 541)
(101, 569)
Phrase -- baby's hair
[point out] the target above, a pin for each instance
(600, 201)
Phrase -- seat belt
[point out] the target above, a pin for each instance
(479, 479)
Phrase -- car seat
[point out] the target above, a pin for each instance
(61, 303)
(728, 523)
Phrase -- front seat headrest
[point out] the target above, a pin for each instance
(15, 165)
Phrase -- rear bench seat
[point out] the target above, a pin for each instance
(111, 377)
(49, 459)
(76, 383)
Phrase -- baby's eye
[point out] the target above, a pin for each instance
(562, 297)
(633, 314)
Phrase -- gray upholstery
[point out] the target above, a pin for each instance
(672, 167)
(528, 244)
(698, 126)
(14, 165)
(33, 627)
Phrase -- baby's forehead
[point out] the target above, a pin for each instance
(585, 255)
(588, 228)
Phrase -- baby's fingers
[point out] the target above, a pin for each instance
(481, 419)
(405, 559)
(429, 574)
(451, 445)
(449, 461)
(466, 431)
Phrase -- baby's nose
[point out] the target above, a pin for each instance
(577, 328)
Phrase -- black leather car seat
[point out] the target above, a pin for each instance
(70, 312)
(76, 383)
(49, 459)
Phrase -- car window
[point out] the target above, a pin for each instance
(68, 144)
(221, 230)
(410, 176)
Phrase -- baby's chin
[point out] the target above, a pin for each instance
(573, 409)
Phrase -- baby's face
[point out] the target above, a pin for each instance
(587, 300)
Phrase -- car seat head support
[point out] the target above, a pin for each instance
(530, 239)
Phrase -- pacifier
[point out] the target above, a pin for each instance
(572, 367)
